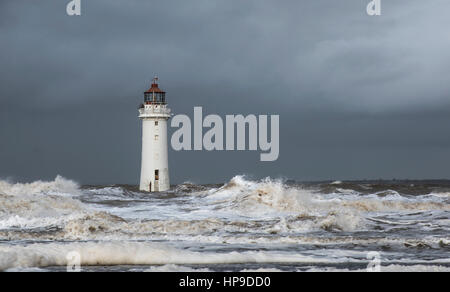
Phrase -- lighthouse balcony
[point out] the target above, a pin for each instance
(154, 111)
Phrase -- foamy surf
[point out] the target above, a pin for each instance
(131, 253)
(241, 225)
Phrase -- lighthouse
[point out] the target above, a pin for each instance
(154, 114)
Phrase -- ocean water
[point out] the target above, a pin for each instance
(242, 225)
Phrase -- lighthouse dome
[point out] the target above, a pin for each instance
(154, 88)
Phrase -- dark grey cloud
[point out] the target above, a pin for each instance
(358, 96)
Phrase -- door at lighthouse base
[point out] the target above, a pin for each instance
(156, 180)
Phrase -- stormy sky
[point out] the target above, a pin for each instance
(359, 97)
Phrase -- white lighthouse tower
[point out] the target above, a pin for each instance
(154, 114)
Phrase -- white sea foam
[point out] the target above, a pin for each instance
(40, 204)
(139, 253)
(390, 268)
(278, 196)
(59, 186)
(25, 270)
(242, 212)
(234, 207)
(39, 199)
(336, 182)
(133, 253)
(261, 270)
(175, 268)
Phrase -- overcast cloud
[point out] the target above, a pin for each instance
(358, 96)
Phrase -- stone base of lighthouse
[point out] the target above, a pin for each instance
(155, 163)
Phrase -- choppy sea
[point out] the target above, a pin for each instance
(241, 225)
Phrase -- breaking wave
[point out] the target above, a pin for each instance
(239, 206)
(244, 213)
(129, 253)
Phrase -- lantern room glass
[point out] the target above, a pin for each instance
(155, 98)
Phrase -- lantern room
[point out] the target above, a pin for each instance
(154, 95)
